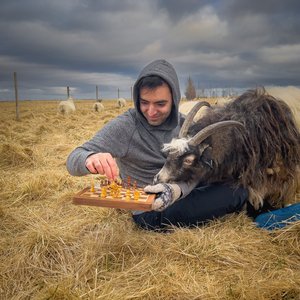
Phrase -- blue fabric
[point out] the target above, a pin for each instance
(279, 218)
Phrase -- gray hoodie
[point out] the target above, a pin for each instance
(129, 138)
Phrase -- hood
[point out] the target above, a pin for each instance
(165, 70)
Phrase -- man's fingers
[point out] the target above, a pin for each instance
(98, 166)
(104, 164)
(116, 172)
(94, 165)
(107, 169)
(90, 166)
(110, 168)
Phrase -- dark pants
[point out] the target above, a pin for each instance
(201, 205)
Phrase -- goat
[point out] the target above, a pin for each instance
(66, 106)
(121, 102)
(252, 141)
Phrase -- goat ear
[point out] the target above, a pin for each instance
(207, 152)
(202, 148)
(207, 157)
(189, 160)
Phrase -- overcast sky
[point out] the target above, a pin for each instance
(52, 44)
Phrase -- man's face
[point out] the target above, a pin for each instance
(156, 104)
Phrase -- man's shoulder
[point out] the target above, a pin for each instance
(120, 127)
(128, 117)
(126, 121)
(129, 114)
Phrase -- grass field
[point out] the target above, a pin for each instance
(52, 249)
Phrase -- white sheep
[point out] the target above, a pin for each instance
(185, 107)
(98, 106)
(121, 102)
(66, 107)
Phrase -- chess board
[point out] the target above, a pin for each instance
(87, 197)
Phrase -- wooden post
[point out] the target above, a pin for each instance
(118, 93)
(68, 92)
(16, 96)
(97, 92)
(131, 93)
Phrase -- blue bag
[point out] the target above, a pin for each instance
(279, 218)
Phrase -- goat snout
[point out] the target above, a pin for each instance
(156, 179)
(162, 176)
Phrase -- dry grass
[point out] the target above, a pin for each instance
(51, 249)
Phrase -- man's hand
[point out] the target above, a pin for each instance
(104, 164)
(167, 195)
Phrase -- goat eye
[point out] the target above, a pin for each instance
(188, 161)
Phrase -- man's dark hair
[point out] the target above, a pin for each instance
(151, 82)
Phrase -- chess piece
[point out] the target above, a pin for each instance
(136, 195)
(103, 192)
(92, 185)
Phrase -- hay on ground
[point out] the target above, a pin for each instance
(52, 249)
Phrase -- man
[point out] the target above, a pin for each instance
(130, 145)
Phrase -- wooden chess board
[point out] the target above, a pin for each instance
(94, 198)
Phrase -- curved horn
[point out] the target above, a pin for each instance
(190, 116)
(210, 129)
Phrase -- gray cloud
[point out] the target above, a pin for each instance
(235, 43)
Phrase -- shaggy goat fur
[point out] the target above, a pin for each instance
(264, 157)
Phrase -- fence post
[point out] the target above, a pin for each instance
(97, 92)
(68, 92)
(16, 96)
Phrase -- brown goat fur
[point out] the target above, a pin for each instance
(264, 157)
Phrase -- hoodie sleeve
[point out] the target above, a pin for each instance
(113, 138)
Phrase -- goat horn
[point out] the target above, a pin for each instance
(211, 129)
(189, 118)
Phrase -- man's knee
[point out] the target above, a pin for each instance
(148, 220)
